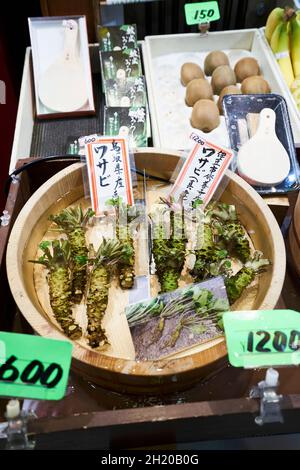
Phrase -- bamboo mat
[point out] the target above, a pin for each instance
(51, 136)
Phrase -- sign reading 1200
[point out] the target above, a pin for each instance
(263, 337)
(33, 367)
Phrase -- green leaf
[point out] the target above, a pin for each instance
(221, 305)
(221, 253)
(81, 259)
(114, 201)
(204, 298)
(196, 203)
(214, 269)
(44, 245)
(198, 329)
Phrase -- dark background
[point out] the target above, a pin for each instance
(157, 17)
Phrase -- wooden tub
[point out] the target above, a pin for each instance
(118, 374)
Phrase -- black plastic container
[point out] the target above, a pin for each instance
(236, 107)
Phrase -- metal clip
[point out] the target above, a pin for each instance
(15, 179)
(270, 411)
(204, 28)
(5, 218)
(16, 429)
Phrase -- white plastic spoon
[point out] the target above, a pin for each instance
(62, 87)
(262, 160)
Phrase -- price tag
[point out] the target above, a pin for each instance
(202, 171)
(203, 12)
(33, 367)
(262, 338)
(109, 171)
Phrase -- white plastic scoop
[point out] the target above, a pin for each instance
(262, 160)
(62, 87)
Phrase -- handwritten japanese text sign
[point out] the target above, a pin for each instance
(202, 171)
(109, 171)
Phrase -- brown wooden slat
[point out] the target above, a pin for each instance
(74, 7)
(225, 419)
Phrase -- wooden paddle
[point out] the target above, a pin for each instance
(263, 160)
(62, 87)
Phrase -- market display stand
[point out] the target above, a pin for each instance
(36, 138)
(90, 417)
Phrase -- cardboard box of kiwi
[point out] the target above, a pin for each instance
(188, 74)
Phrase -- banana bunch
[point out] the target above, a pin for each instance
(283, 34)
(295, 89)
(295, 55)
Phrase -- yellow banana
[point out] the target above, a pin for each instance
(274, 43)
(280, 47)
(275, 17)
(295, 44)
(295, 89)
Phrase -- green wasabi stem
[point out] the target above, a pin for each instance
(235, 285)
(221, 211)
(168, 280)
(124, 216)
(108, 255)
(225, 221)
(205, 255)
(221, 266)
(177, 246)
(236, 241)
(216, 263)
(73, 221)
(169, 252)
(126, 264)
(59, 264)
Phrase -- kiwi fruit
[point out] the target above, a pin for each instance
(246, 67)
(198, 89)
(255, 84)
(222, 76)
(205, 115)
(189, 71)
(228, 90)
(213, 60)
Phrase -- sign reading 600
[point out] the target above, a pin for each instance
(33, 367)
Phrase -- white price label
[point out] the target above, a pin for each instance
(202, 171)
(109, 171)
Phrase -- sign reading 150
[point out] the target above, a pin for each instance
(202, 14)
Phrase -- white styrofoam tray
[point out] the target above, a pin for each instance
(163, 58)
(47, 37)
(25, 115)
